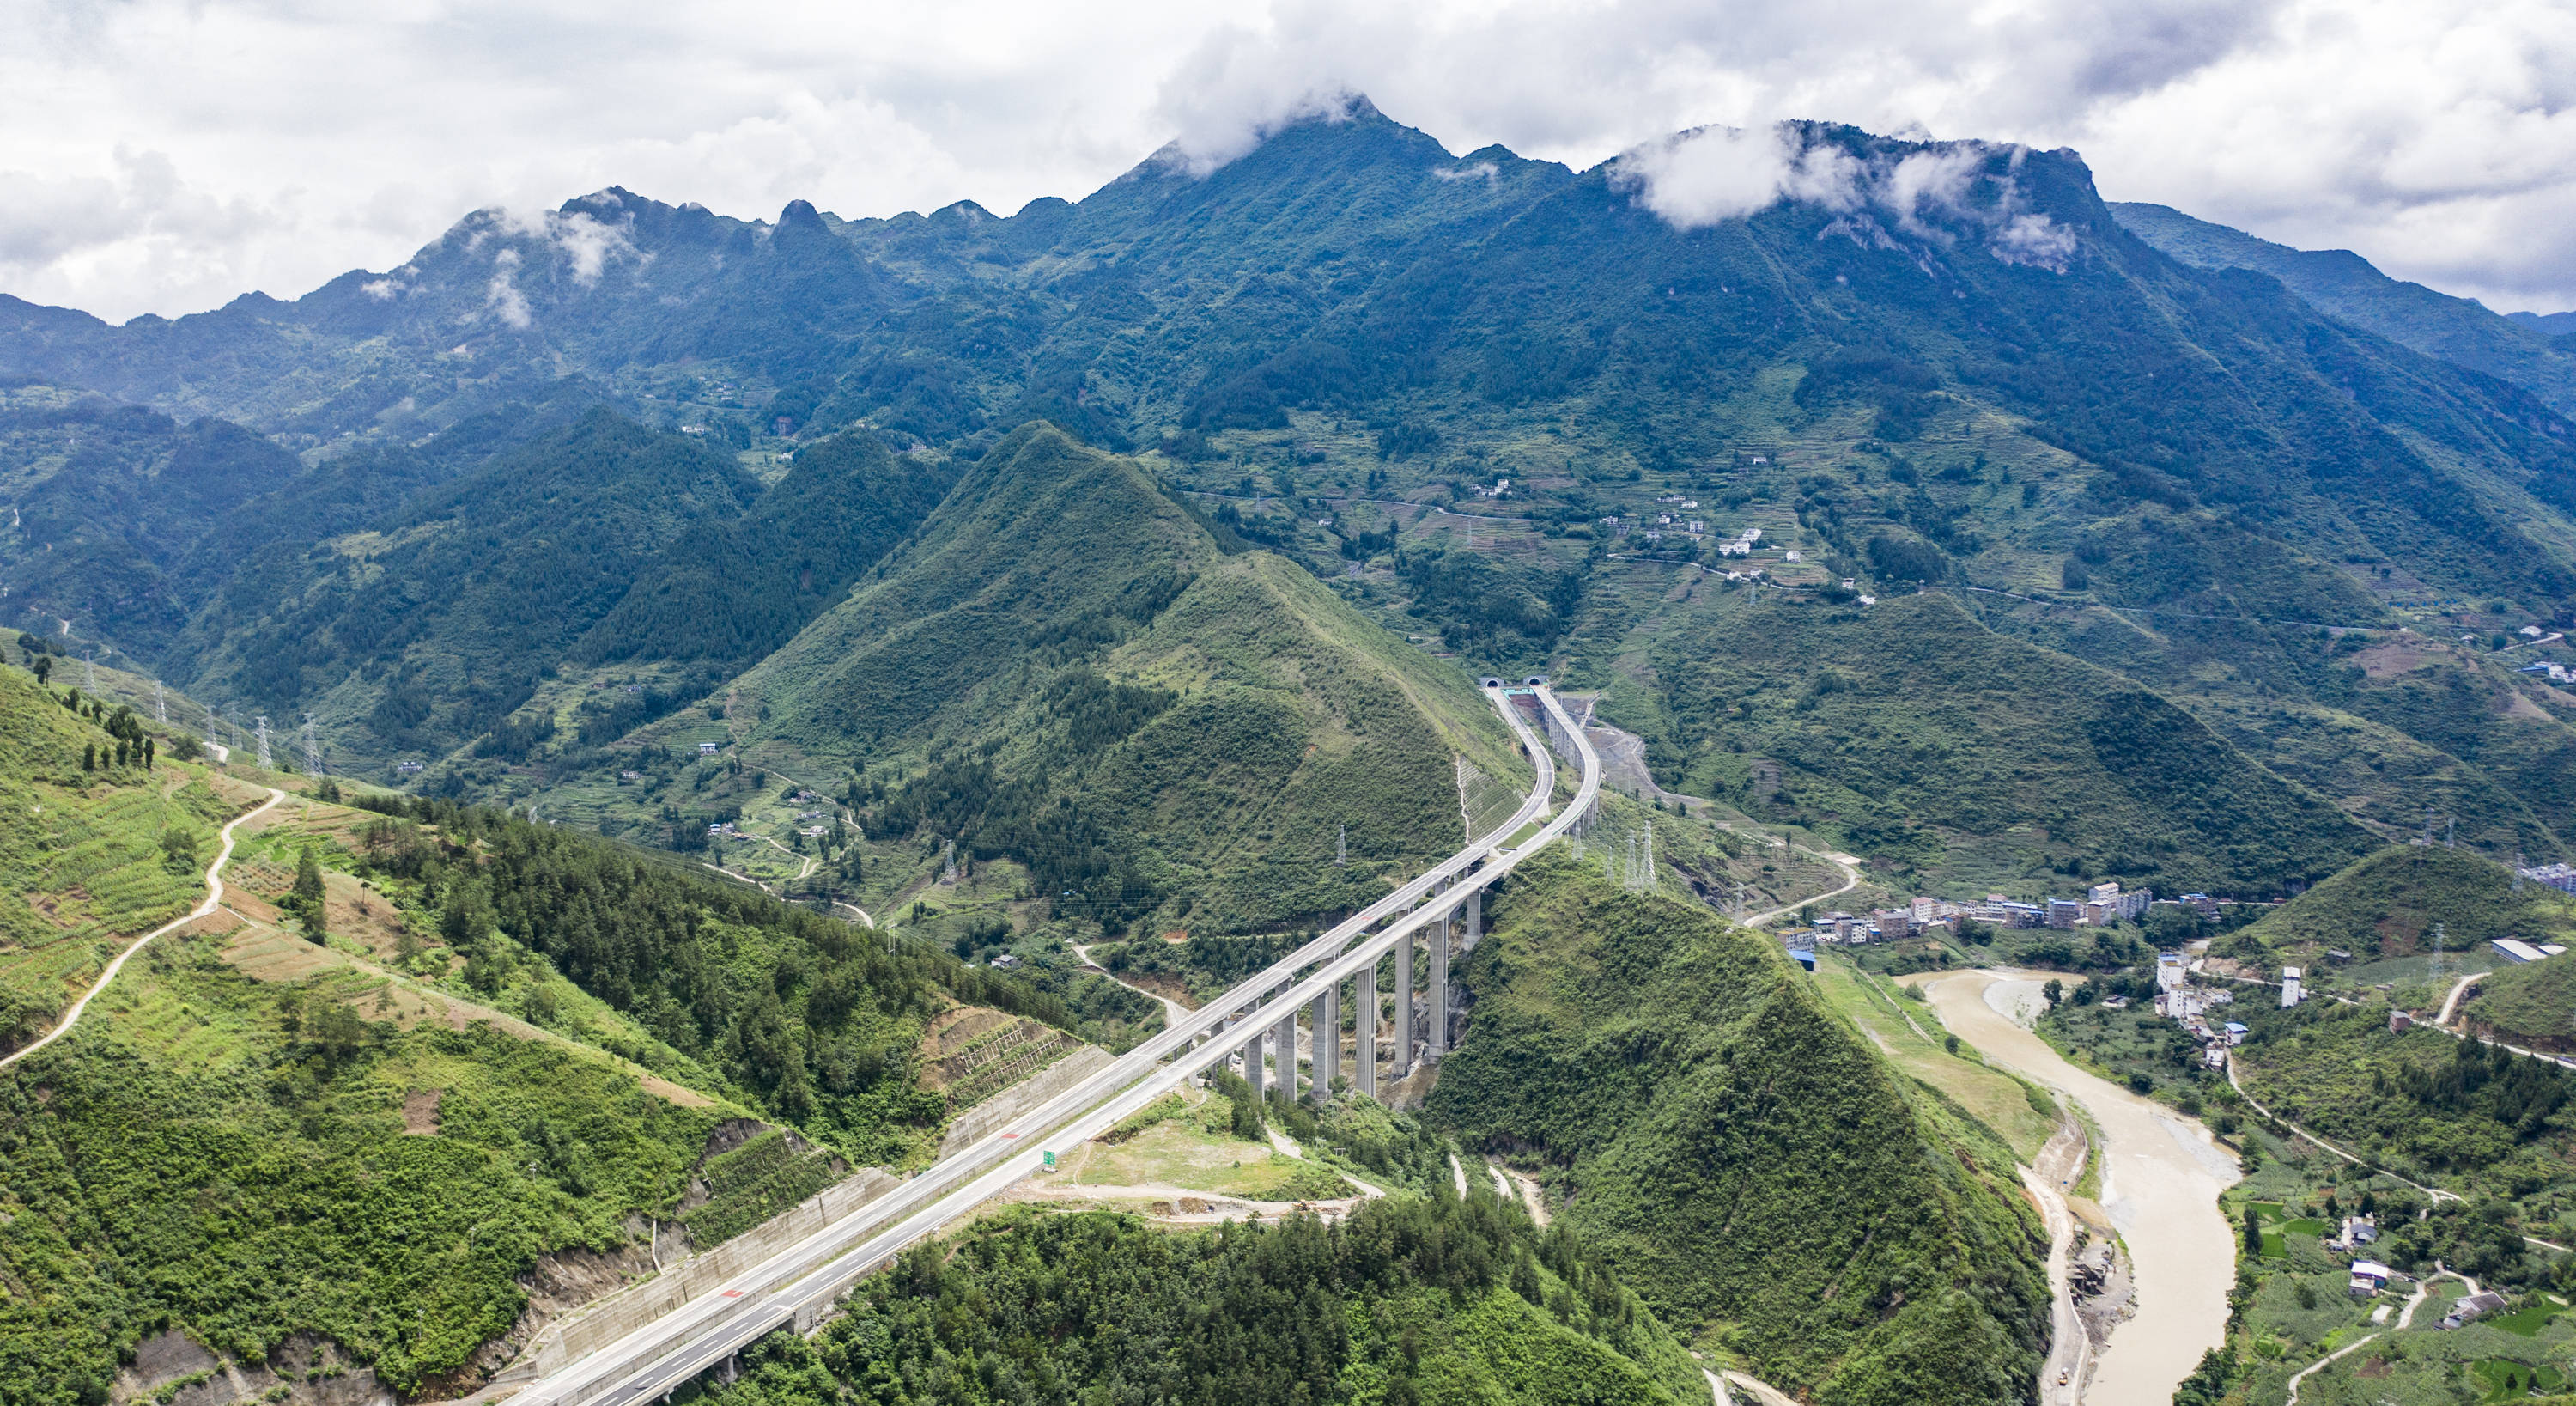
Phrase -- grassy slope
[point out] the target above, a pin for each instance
(80, 852)
(1911, 1037)
(1929, 737)
(1741, 1153)
(187, 1159)
(2530, 1004)
(2386, 906)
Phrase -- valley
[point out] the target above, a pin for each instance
(1004, 808)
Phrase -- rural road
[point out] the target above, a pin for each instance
(214, 896)
(2161, 1175)
(1173, 1011)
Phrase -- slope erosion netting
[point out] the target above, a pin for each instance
(1741, 1154)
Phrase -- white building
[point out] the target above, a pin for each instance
(2289, 987)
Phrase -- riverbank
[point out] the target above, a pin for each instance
(2161, 1175)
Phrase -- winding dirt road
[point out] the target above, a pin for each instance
(2161, 1175)
(214, 896)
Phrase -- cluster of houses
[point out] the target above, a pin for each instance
(2101, 905)
(2370, 1277)
(2193, 1007)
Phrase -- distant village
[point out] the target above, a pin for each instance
(2101, 905)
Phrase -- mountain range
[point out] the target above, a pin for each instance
(1121, 569)
(2295, 498)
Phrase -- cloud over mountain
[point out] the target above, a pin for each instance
(167, 155)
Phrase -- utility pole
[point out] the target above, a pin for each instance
(265, 764)
(313, 755)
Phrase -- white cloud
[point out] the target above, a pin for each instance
(1709, 174)
(503, 298)
(165, 155)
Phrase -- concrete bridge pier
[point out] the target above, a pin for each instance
(1435, 1039)
(1475, 920)
(1283, 1040)
(1364, 1030)
(1325, 1020)
(1402, 1064)
(1252, 1071)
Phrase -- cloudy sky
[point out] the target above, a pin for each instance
(165, 155)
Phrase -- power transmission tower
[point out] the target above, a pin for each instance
(160, 706)
(313, 755)
(2451, 836)
(1649, 876)
(2517, 871)
(2434, 970)
(948, 875)
(1342, 849)
(265, 764)
(89, 672)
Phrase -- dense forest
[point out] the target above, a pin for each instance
(1412, 1300)
(811, 1018)
(1700, 1109)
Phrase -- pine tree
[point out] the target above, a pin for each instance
(2253, 1232)
(89, 756)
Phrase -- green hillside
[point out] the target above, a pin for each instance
(731, 590)
(1923, 737)
(416, 636)
(94, 851)
(2532, 1004)
(2388, 903)
(1740, 1152)
(1069, 670)
(2343, 285)
(1416, 1299)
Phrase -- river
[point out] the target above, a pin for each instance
(2161, 1175)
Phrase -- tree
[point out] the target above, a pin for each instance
(311, 900)
(89, 756)
(2053, 992)
(179, 849)
(43, 664)
(2253, 1232)
(337, 1031)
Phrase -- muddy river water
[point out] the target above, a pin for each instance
(2161, 1175)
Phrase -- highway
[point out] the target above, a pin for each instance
(798, 1285)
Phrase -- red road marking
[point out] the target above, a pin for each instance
(1010, 1135)
(731, 1294)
